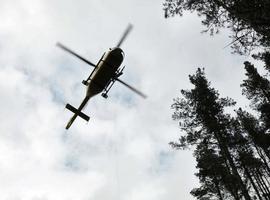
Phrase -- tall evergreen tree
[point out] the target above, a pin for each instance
(241, 145)
(244, 153)
(201, 116)
(257, 89)
(214, 173)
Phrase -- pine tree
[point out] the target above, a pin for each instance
(257, 89)
(214, 173)
(245, 156)
(201, 115)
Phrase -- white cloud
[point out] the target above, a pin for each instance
(123, 151)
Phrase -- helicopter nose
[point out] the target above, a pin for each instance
(118, 52)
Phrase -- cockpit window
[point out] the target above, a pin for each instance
(118, 51)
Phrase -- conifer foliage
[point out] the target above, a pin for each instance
(249, 20)
(232, 153)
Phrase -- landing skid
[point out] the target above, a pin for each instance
(118, 73)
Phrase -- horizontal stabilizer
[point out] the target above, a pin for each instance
(77, 112)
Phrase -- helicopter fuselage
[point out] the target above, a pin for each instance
(105, 71)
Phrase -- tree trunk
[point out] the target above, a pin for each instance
(252, 182)
(262, 188)
(263, 158)
(264, 184)
(266, 177)
(259, 184)
(218, 189)
(266, 151)
(225, 152)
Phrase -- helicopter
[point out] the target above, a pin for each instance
(105, 73)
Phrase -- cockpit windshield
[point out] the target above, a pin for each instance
(118, 51)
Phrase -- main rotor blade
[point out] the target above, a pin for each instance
(75, 54)
(124, 35)
(132, 88)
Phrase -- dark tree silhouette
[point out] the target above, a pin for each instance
(201, 115)
(242, 146)
(249, 20)
(257, 89)
(214, 174)
(238, 146)
(230, 151)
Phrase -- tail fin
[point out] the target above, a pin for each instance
(76, 113)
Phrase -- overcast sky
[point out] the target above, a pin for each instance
(123, 152)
